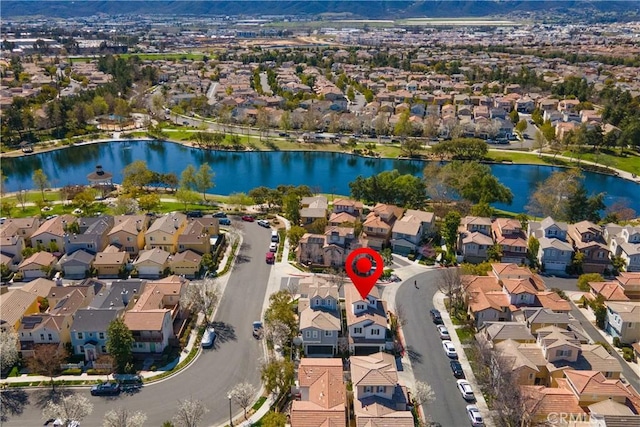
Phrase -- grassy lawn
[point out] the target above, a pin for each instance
(259, 403)
(629, 163)
(465, 334)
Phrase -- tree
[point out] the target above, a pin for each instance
(390, 187)
(121, 417)
(584, 279)
(539, 142)
(119, 342)
(494, 252)
(461, 149)
(204, 179)
(552, 195)
(190, 413)
(294, 234)
(403, 126)
(149, 202)
(422, 393)
(533, 246)
(450, 284)
(201, 297)
(291, 205)
(450, 230)
(411, 147)
(40, 180)
(277, 376)
(240, 199)
(318, 226)
(280, 310)
(46, 360)
(514, 116)
(186, 196)
(136, 174)
(84, 200)
(243, 395)
(278, 333)
(521, 126)
(188, 178)
(125, 206)
(9, 350)
(274, 419)
(73, 407)
(618, 264)
(580, 207)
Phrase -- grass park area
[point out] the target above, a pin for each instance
(630, 162)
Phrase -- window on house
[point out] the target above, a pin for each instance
(315, 334)
(631, 325)
(530, 376)
(357, 330)
(360, 306)
(307, 334)
(375, 332)
(563, 353)
(382, 389)
(42, 337)
(104, 348)
(81, 349)
(128, 239)
(101, 335)
(151, 238)
(50, 337)
(328, 333)
(164, 238)
(368, 389)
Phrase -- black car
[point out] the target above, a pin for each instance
(106, 389)
(456, 368)
(435, 316)
(194, 214)
(219, 215)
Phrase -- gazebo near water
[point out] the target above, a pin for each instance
(101, 179)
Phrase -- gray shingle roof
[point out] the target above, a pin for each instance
(88, 320)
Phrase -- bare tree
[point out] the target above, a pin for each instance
(278, 332)
(202, 298)
(21, 197)
(423, 393)
(46, 360)
(190, 413)
(121, 417)
(73, 407)
(243, 395)
(8, 349)
(337, 277)
(450, 284)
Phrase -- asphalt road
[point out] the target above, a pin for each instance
(428, 360)
(235, 357)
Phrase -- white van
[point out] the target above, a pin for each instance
(274, 236)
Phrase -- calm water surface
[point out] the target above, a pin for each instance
(240, 172)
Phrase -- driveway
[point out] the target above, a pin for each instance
(234, 358)
(424, 346)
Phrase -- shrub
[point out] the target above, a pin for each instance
(616, 342)
(627, 354)
(72, 371)
(412, 257)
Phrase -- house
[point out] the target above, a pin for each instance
(313, 208)
(379, 223)
(474, 246)
(352, 207)
(37, 265)
(338, 219)
(151, 329)
(50, 235)
(538, 318)
(408, 231)
(163, 233)
(586, 238)
(330, 249)
(14, 305)
(322, 394)
(496, 332)
(366, 321)
(163, 294)
(128, 233)
(186, 263)
(77, 264)
(626, 244)
(319, 314)
(610, 291)
(555, 253)
(196, 236)
(92, 237)
(43, 329)
(39, 287)
(14, 234)
(89, 331)
(630, 282)
(508, 234)
(623, 320)
(152, 263)
(378, 397)
(111, 263)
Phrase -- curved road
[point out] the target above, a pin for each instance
(234, 359)
(423, 344)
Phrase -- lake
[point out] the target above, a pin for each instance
(240, 172)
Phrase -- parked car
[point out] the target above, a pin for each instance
(208, 338)
(270, 258)
(449, 349)
(224, 221)
(106, 389)
(436, 317)
(194, 214)
(456, 368)
(219, 215)
(444, 332)
(248, 218)
(273, 247)
(465, 390)
(474, 416)
(263, 223)
(128, 382)
(257, 329)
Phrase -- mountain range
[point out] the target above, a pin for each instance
(363, 9)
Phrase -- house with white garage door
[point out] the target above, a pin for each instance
(366, 321)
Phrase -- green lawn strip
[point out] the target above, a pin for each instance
(465, 334)
(178, 367)
(259, 403)
(630, 163)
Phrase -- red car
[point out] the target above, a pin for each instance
(247, 218)
(270, 257)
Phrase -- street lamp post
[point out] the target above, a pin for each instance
(230, 416)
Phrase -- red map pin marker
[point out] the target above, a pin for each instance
(360, 269)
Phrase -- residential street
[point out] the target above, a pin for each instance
(235, 357)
